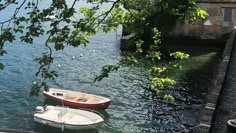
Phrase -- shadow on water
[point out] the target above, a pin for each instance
(193, 47)
(46, 129)
(181, 114)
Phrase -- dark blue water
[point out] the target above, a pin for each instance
(132, 109)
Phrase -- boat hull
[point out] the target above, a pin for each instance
(102, 105)
(65, 126)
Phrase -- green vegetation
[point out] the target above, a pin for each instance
(147, 19)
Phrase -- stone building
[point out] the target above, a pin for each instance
(220, 22)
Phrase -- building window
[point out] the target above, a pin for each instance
(227, 21)
(228, 15)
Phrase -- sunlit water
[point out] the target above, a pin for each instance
(132, 109)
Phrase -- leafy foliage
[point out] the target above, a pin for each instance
(144, 18)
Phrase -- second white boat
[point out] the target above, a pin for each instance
(67, 118)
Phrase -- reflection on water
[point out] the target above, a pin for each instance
(132, 109)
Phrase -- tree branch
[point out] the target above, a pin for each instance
(6, 5)
(15, 13)
(105, 14)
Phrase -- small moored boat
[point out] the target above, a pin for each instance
(67, 118)
(77, 99)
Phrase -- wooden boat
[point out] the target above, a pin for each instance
(77, 99)
(67, 118)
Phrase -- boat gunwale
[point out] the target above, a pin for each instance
(76, 126)
(103, 99)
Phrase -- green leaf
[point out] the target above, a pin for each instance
(1, 66)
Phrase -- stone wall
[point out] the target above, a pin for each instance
(220, 22)
(208, 113)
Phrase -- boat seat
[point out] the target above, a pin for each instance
(79, 97)
(93, 100)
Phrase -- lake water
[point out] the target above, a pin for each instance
(132, 109)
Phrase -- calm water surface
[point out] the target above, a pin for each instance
(132, 109)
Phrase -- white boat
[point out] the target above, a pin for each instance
(49, 18)
(67, 118)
